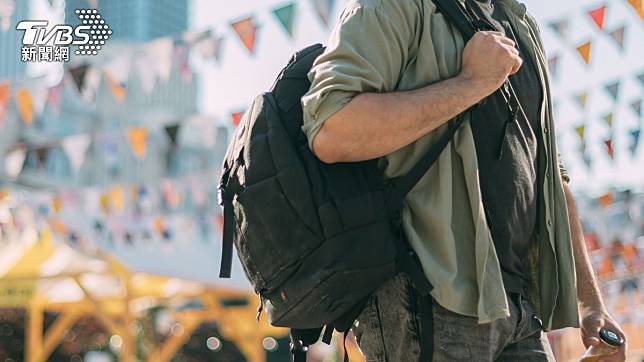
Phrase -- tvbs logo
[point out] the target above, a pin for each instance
(43, 44)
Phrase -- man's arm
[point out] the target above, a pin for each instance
(592, 309)
(364, 128)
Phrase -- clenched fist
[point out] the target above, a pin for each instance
(488, 59)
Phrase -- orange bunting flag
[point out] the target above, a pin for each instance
(237, 117)
(4, 100)
(246, 29)
(606, 199)
(584, 51)
(639, 8)
(138, 137)
(25, 105)
(598, 15)
(117, 90)
(609, 148)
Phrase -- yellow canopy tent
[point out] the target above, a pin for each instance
(39, 274)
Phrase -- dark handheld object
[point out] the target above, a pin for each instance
(611, 337)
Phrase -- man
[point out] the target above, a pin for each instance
(493, 221)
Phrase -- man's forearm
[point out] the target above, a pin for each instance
(372, 125)
(588, 291)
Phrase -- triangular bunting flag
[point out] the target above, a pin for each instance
(581, 99)
(285, 15)
(172, 131)
(324, 8)
(584, 51)
(75, 148)
(608, 118)
(4, 100)
(587, 160)
(237, 116)
(247, 31)
(609, 148)
(14, 161)
(138, 137)
(560, 27)
(618, 36)
(210, 47)
(637, 5)
(597, 15)
(553, 63)
(25, 105)
(117, 89)
(78, 75)
(581, 132)
(640, 77)
(54, 97)
(7, 8)
(636, 106)
(613, 89)
(635, 141)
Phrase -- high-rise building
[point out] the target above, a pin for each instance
(11, 12)
(139, 20)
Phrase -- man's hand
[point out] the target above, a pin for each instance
(591, 322)
(488, 59)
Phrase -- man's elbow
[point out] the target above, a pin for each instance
(325, 146)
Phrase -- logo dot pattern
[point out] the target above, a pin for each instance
(99, 32)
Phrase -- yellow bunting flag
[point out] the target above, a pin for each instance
(56, 204)
(581, 130)
(608, 118)
(117, 90)
(105, 202)
(138, 137)
(584, 51)
(25, 105)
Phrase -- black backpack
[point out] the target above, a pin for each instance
(314, 239)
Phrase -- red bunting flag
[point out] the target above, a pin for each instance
(609, 148)
(597, 15)
(237, 117)
(584, 51)
(246, 29)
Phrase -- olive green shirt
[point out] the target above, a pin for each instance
(392, 45)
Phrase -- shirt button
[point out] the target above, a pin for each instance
(545, 129)
(549, 222)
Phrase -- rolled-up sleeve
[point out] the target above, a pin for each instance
(367, 52)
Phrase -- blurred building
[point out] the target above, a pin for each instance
(11, 12)
(136, 21)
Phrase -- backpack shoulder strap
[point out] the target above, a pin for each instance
(456, 14)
